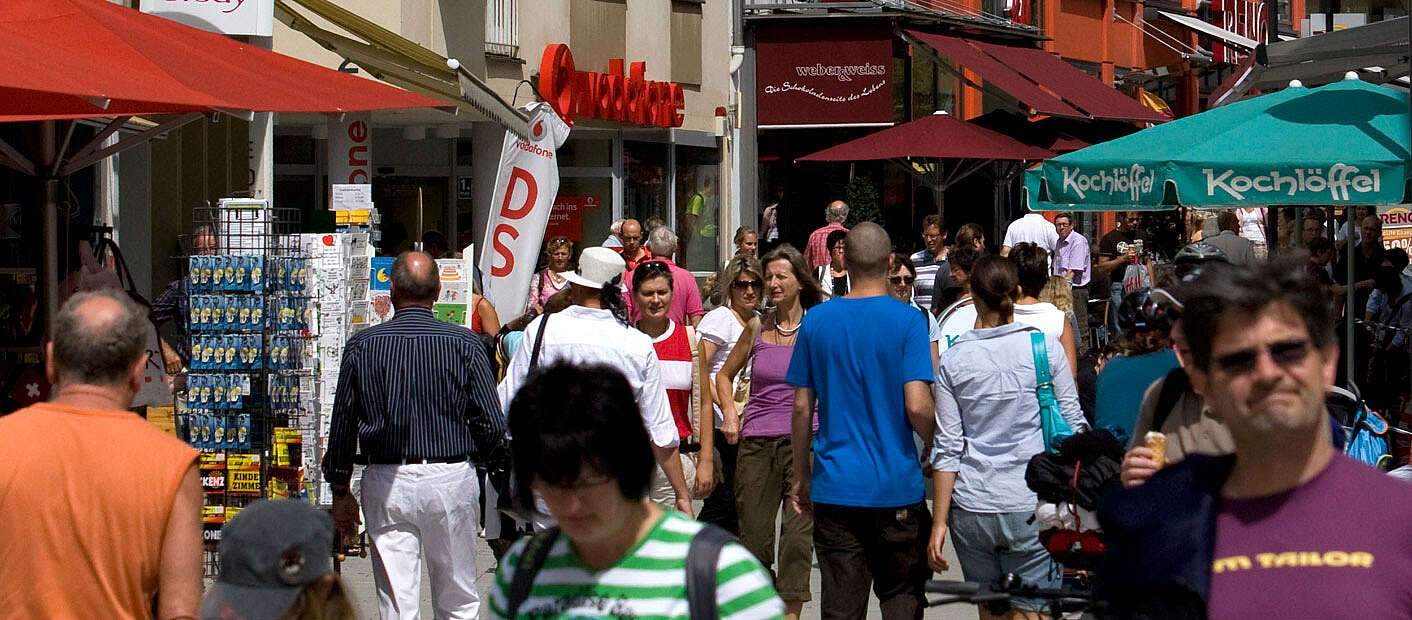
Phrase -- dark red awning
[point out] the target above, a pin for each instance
(963, 53)
(939, 136)
(1074, 86)
(1040, 80)
(70, 58)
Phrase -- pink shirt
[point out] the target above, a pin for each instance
(686, 297)
(817, 251)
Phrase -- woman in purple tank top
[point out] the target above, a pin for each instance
(764, 473)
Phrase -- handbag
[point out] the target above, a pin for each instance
(1051, 423)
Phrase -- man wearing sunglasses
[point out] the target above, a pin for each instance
(1287, 526)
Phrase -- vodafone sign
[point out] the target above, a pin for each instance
(613, 96)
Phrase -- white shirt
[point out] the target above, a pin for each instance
(583, 336)
(956, 320)
(1032, 228)
(1043, 316)
(720, 327)
(1252, 224)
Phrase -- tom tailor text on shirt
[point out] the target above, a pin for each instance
(1339, 180)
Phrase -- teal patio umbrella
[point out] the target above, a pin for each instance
(1343, 144)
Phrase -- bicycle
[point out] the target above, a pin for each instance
(1007, 587)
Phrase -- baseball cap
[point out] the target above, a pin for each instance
(269, 552)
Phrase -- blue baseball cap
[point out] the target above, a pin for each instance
(269, 552)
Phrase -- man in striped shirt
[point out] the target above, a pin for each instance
(419, 396)
(579, 443)
(933, 270)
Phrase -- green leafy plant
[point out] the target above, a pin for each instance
(862, 198)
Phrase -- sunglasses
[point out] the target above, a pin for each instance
(741, 285)
(902, 279)
(1285, 354)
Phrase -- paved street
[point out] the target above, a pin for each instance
(358, 579)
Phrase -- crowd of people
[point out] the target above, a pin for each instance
(858, 404)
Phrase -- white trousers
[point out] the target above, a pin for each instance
(415, 509)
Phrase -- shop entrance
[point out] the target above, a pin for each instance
(396, 198)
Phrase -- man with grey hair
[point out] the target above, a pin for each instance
(817, 250)
(686, 296)
(419, 396)
(99, 510)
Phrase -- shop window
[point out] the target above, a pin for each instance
(698, 203)
(597, 32)
(646, 195)
(686, 41)
(585, 153)
(294, 150)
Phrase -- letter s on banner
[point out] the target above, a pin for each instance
(515, 229)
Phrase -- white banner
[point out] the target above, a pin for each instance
(524, 195)
(350, 146)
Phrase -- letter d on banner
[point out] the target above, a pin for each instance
(525, 186)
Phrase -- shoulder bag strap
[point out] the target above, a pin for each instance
(1173, 386)
(536, 552)
(1052, 424)
(702, 557)
(538, 342)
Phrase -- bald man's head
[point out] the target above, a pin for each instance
(100, 338)
(415, 281)
(867, 248)
(631, 236)
(837, 211)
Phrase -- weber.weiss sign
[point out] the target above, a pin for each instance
(823, 75)
(247, 17)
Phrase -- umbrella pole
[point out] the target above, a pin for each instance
(49, 217)
(1348, 300)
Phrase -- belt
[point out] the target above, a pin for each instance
(460, 458)
(688, 448)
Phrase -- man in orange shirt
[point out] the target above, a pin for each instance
(99, 510)
(633, 251)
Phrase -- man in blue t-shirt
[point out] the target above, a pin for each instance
(865, 357)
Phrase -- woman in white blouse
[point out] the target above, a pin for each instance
(1032, 262)
(743, 282)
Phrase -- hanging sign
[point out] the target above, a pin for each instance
(821, 75)
(350, 145)
(247, 17)
(524, 193)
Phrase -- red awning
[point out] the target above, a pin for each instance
(1040, 79)
(92, 58)
(939, 136)
(963, 53)
(1074, 86)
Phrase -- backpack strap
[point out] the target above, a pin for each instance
(536, 552)
(1173, 386)
(538, 340)
(702, 556)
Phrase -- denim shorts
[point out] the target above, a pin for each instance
(992, 544)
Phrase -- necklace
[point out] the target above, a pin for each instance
(788, 332)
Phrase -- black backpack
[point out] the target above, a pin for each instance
(701, 558)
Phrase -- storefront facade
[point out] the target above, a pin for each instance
(432, 171)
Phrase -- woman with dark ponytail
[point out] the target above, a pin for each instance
(988, 427)
(595, 330)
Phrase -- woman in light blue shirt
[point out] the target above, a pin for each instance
(987, 417)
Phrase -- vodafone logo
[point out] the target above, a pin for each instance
(538, 130)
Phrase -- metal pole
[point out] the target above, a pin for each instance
(1348, 300)
(49, 217)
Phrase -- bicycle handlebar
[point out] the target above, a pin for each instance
(977, 592)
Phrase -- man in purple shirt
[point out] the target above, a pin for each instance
(1288, 527)
(1072, 261)
(686, 296)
